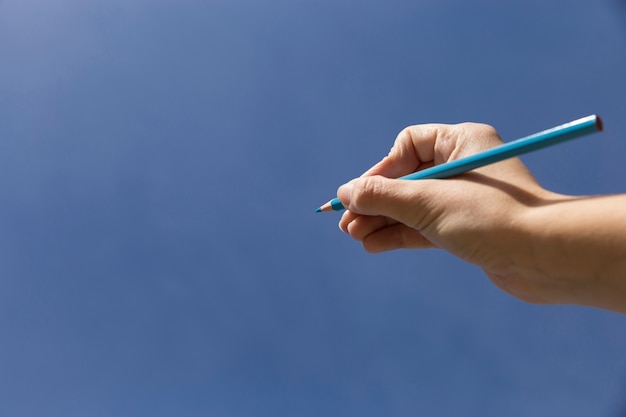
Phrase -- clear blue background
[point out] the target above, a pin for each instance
(160, 162)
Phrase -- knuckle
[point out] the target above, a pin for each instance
(403, 140)
(472, 137)
(364, 194)
(486, 131)
(480, 130)
(407, 137)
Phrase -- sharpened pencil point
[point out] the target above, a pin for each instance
(332, 205)
(324, 208)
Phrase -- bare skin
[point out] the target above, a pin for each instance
(539, 246)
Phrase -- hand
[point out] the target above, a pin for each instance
(391, 214)
(495, 217)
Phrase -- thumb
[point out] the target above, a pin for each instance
(401, 200)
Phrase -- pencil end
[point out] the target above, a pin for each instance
(318, 210)
(599, 124)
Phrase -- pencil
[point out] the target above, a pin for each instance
(554, 136)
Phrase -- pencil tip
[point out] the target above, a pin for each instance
(324, 208)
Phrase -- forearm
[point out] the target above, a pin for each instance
(578, 247)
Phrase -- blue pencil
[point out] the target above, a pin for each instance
(556, 135)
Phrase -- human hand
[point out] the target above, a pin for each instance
(451, 214)
(540, 246)
(497, 217)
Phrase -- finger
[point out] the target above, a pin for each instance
(398, 236)
(401, 200)
(412, 148)
(379, 234)
(346, 218)
(421, 146)
(362, 226)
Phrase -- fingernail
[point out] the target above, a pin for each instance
(344, 193)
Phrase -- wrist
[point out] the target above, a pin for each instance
(576, 251)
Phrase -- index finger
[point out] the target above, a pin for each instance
(413, 149)
(421, 146)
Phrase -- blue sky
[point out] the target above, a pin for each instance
(160, 162)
